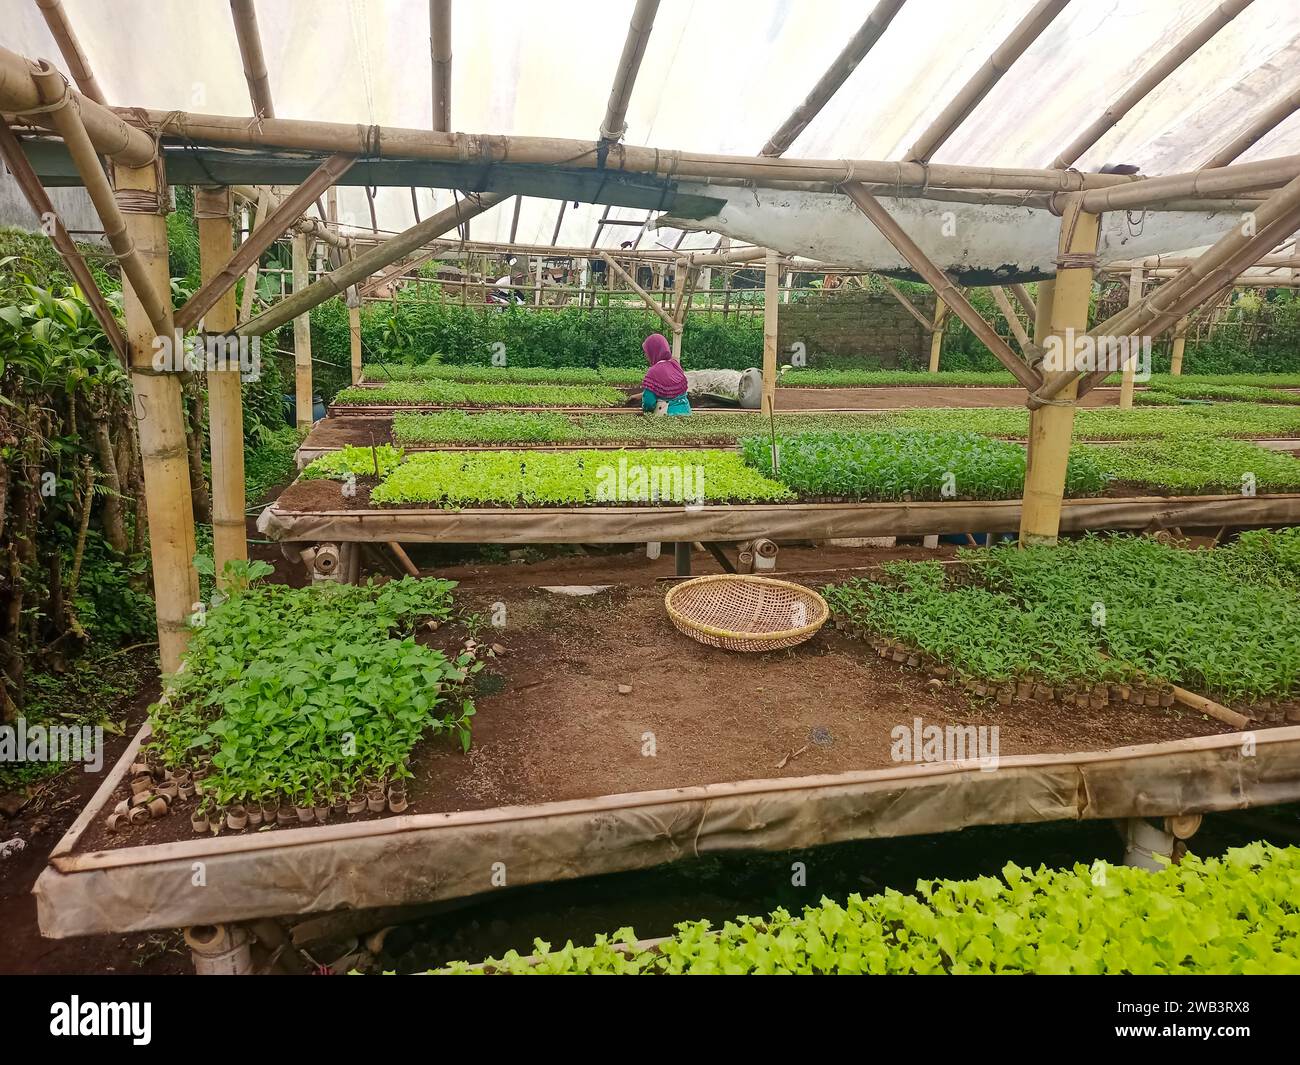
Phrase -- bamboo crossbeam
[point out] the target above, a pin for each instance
(440, 62)
(1278, 113)
(70, 48)
(111, 136)
(336, 282)
(39, 200)
(836, 74)
(266, 233)
(1009, 313)
(1140, 89)
(244, 13)
(614, 124)
(771, 335)
(1025, 300)
(942, 284)
(1028, 30)
(262, 211)
(388, 142)
(1239, 177)
(649, 300)
(905, 303)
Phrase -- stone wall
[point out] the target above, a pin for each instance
(855, 328)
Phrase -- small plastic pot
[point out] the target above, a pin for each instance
(168, 789)
(139, 815)
(285, 816)
(254, 816)
(186, 790)
(141, 782)
(199, 822)
(356, 806)
(339, 809)
(322, 814)
(122, 808)
(116, 822)
(375, 800)
(306, 815)
(139, 769)
(270, 812)
(236, 818)
(142, 798)
(397, 799)
(183, 776)
(158, 807)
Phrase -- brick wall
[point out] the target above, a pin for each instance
(855, 328)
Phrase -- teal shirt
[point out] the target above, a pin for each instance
(679, 405)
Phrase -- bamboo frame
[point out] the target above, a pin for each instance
(1239, 177)
(1051, 426)
(836, 74)
(262, 211)
(354, 333)
(649, 300)
(303, 392)
(1278, 113)
(943, 285)
(263, 236)
(1176, 351)
(903, 301)
(440, 63)
(1028, 30)
(244, 13)
(336, 282)
(225, 393)
(1012, 319)
(70, 48)
(936, 334)
(614, 124)
(771, 331)
(12, 153)
(1140, 89)
(1128, 376)
(1025, 300)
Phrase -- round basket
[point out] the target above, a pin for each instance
(744, 613)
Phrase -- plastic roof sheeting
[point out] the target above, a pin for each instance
(718, 76)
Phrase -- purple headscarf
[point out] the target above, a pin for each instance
(665, 377)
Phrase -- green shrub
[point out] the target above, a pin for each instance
(450, 393)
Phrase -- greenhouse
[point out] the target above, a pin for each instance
(578, 467)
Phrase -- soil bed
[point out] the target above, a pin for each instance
(552, 725)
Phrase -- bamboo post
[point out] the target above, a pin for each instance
(1128, 376)
(1180, 342)
(354, 331)
(70, 48)
(1026, 302)
(160, 420)
(771, 311)
(212, 208)
(936, 335)
(301, 338)
(1051, 426)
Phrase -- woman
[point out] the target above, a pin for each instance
(664, 382)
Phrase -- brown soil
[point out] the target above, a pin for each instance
(551, 724)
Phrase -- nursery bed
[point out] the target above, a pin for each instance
(793, 751)
(309, 511)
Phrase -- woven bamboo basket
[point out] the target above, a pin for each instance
(743, 613)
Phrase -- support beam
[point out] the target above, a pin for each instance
(39, 201)
(1128, 375)
(1140, 89)
(354, 332)
(771, 322)
(648, 299)
(936, 334)
(244, 13)
(836, 74)
(212, 208)
(1028, 30)
(1025, 300)
(336, 282)
(70, 48)
(903, 301)
(1009, 313)
(1150, 192)
(262, 211)
(1278, 113)
(160, 418)
(614, 124)
(303, 391)
(1180, 342)
(440, 61)
(942, 284)
(1051, 426)
(262, 237)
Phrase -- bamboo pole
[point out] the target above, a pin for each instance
(336, 282)
(1278, 113)
(943, 285)
(302, 338)
(265, 203)
(903, 301)
(354, 332)
(936, 334)
(440, 62)
(649, 300)
(160, 420)
(1028, 30)
(1239, 177)
(25, 177)
(244, 13)
(1129, 374)
(1169, 62)
(1025, 300)
(836, 74)
(614, 124)
(1051, 426)
(70, 48)
(225, 395)
(1009, 313)
(267, 232)
(1180, 342)
(771, 324)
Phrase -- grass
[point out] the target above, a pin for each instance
(1201, 465)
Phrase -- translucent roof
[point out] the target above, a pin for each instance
(718, 75)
